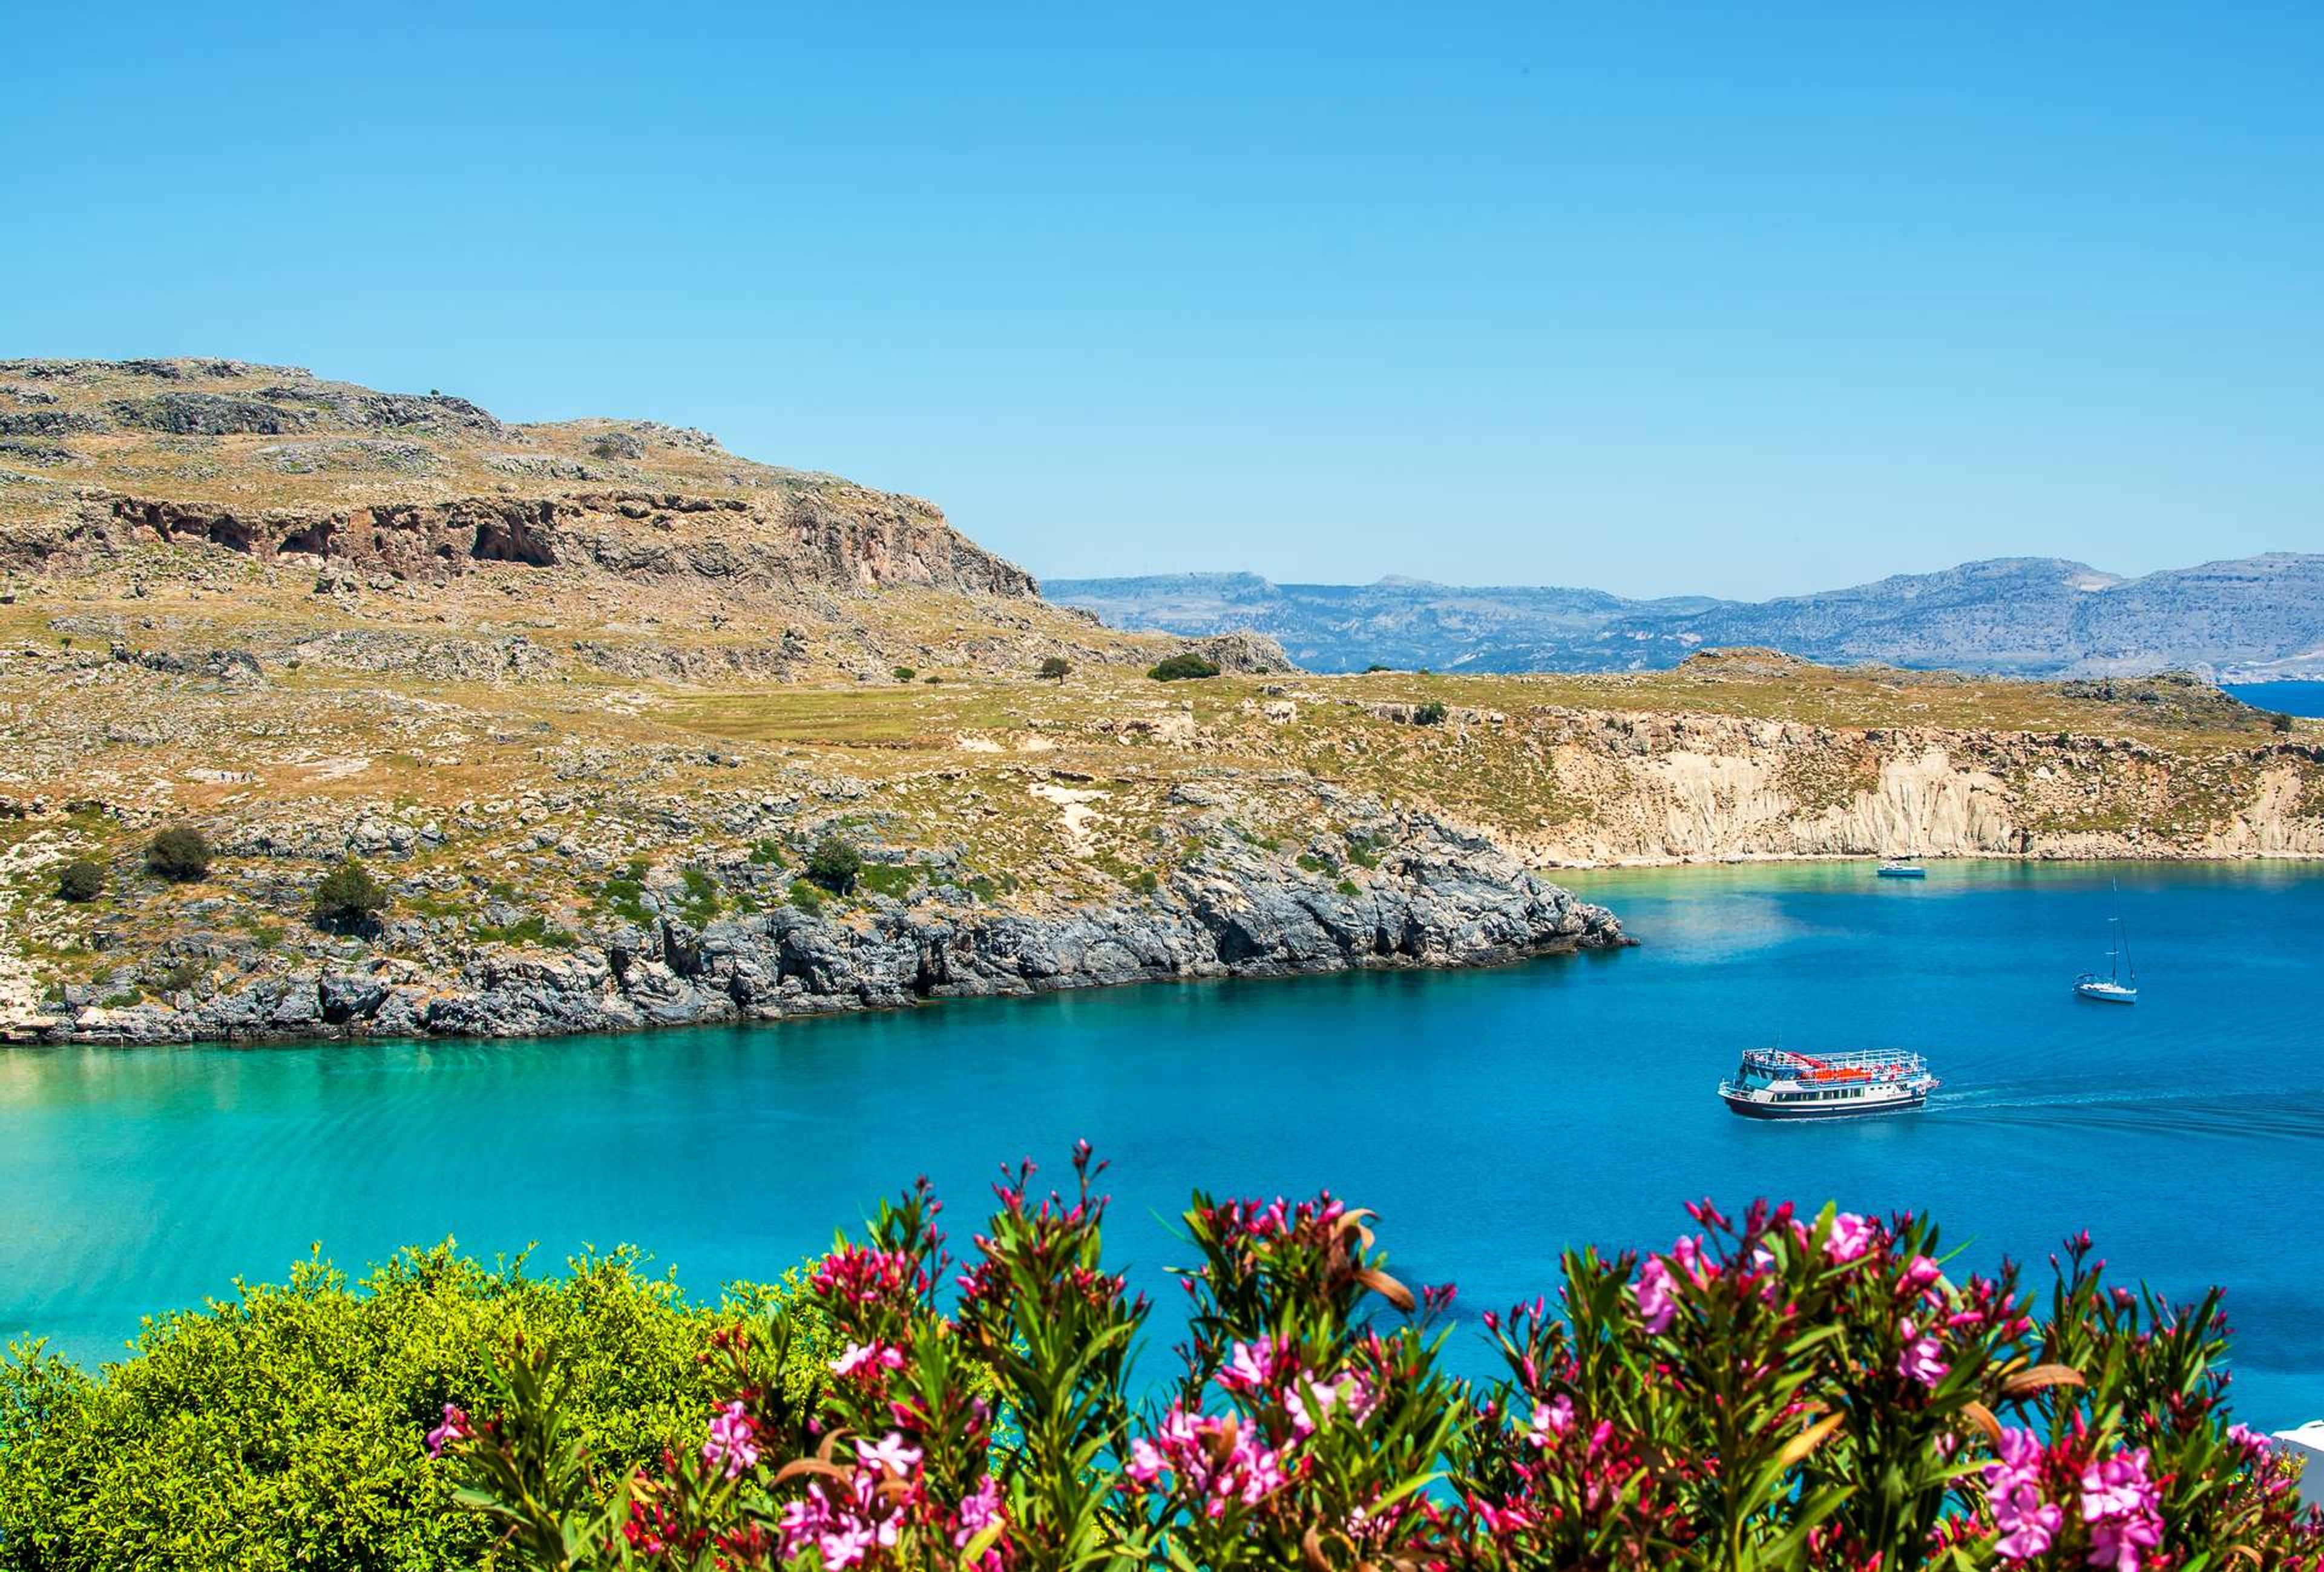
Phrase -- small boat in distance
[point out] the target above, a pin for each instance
(2120, 986)
(1777, 1083)
(1901, 868)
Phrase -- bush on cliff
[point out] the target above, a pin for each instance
(349, 898)
(1056, 668)
(179, 853)
(80, 880)
(1772, 1392)
(286, 1427)
(835, 864)
(1179, 668)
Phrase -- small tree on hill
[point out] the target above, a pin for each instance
(834, 865)
(1054, 668)
(348, 896)
(179, 853)
(80, 880)
(1179, 668)
(1431, 714)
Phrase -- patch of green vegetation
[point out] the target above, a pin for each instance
(1180, 667)
(177, 979)
(1361, 852)
(836, 864)
(703, 897)
(767, 854)
(1311, 862)
(122, 999)
(894, 881)
(623, 895)
(534, 930)
(1347, 886)
(807, 897)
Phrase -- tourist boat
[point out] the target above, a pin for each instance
(2120, 986)
(1902, 868)
(1777, 1083)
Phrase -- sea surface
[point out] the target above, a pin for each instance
(2287, 698)
(1492, 1118)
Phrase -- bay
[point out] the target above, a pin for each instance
(1492, 1118)
(2287, 698)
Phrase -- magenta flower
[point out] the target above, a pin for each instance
(1657, 1307)
(891, 1455)
(980, 1509)
(733, 1443)
(1550, 1419)
(1923, 1359)
(2012, 1490)
(868, 1358)
(2124, 1508)
(455, 1428)
(1851, 1236)
(1251, 1369)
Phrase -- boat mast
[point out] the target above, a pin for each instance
(2122, 936)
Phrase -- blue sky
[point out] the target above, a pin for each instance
(1744, 301)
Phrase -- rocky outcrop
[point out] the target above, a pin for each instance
(1438, 898)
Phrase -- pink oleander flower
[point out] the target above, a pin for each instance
(891, 1455)
(455, 1428)
(980, 1509)
(868, 1359)
(1921, 1274)
(733, 1443)
(2012, 1490)
(1312, 1401)
(1215, 1462)
(1550, 1419)
(2119, 1487)
(2119, 1544)
(1251, 1368)
(1853, 1237)
(844, 1525)
(1657, 1307)
(2253, 1445)
(1923, 1359)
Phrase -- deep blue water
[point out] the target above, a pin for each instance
(2288, 698)
(1492, 1118)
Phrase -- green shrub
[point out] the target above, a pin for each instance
(1056, 668)
(348, 896)
(179, 853)
(905, 674)
(1431, 714)
(177, 979)
(835, 864)
(1347, 886)
(766, 854)
(932, 679)
(2281, 722)
(1179, 668)
(807, 897)
(283, 1428)
(80, 880)
(702, 896)
(1376, 665)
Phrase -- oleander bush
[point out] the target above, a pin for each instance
(286, 1427)
(1775, 1391)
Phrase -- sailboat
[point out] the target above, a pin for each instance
(2120, 986)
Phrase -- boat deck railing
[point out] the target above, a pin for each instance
(1876, 1062)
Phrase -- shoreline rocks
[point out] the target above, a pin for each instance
(1443, 899)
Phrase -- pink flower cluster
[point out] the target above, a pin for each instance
(865, 1361)
(848, 1523)
(2120, 1504)
(853, 1275)
(2123, 1509)
(733, 1443)
(2012, 1491)
(1215, 1462)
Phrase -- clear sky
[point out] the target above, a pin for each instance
(1735, 300)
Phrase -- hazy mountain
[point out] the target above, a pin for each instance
(2250, 619)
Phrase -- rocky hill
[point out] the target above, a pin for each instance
(263, 509)
(2255, 620)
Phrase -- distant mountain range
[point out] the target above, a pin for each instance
(2255, 619)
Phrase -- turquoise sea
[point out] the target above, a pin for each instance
(1490, 1117)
